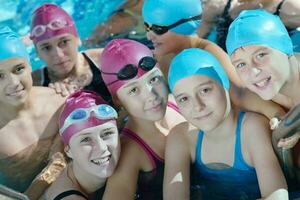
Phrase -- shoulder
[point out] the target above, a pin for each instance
(182, 134)
(61, 185)
(94, 54)
(255, 129)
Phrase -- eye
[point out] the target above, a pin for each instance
(261, 54)
(205, 90)
(107, 133)
(86, 140)
(2, 76)
(133, 91)
(240, 65)
(46, 48)
(182, 99)
(19, 69)
(64, 42)
(154, 80)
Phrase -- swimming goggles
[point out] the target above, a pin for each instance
(129, 71)
(101, 111)
(54, 25)
(159, 30)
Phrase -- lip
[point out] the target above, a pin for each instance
(101, 161)
(63, 62)
(203, 116)
(16, 93)
(263, 83)
(156, 108)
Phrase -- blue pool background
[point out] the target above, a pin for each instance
(86, 13)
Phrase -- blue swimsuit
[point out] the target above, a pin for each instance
(238, 182)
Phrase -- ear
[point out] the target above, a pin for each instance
(68, 152)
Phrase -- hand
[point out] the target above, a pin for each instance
(64, 88)
(290, 142)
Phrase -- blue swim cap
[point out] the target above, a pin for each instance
(11, 45)
(167, 12)
(258, 27)
(196, 61)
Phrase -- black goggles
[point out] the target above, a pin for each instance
(130, 71)
(159, 30)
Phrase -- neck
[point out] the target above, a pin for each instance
(87, 182)
(221, 131)
(292, 85)
(138, 125)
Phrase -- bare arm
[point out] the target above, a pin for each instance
(290, 13)
(258, 142)
(123, 183)
(177, 164)
(247, 100)
(55, 166)
(224, 59)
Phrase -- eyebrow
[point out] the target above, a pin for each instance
(200, 85)
(108, 129)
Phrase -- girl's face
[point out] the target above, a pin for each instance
(263, 70)
(146, 97)
(166, 43)
(15, 80)
(96, 149)
(59, 53)
(201, 100)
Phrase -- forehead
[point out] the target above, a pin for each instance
(95, 130)
(9, 63)
(189, 83)
(55, 39)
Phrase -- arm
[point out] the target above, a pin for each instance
(123, 183)
(290, 13)
(247, 100)
(258, 143)
(177, 164)
(56, 164)
(223, 59)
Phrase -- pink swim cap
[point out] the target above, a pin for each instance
(50, 20)
(81, 99)
(117, 54)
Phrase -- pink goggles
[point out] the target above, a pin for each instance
(53, 25)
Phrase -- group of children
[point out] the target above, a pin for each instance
(184, 121)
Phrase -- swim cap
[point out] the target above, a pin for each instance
(258, 27)
(195, 61)
(167, 12)
(54, 20)
(11, 45)
(81, 99)
(117, 54)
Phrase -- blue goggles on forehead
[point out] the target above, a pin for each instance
(101, 111)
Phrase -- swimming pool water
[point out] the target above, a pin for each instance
(86, 13)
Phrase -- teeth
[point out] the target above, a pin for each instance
(100, 161)
(262, 83)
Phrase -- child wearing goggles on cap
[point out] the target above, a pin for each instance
(137, 84)
(172, 26)
(55, 37)
(30, 147)
(231, 151)
(88, 129)
(266, 63)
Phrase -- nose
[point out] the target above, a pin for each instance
(255, 71)
(198, 103)
(100, 146)
(58, 52)
(150, 35)
(151, 93)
